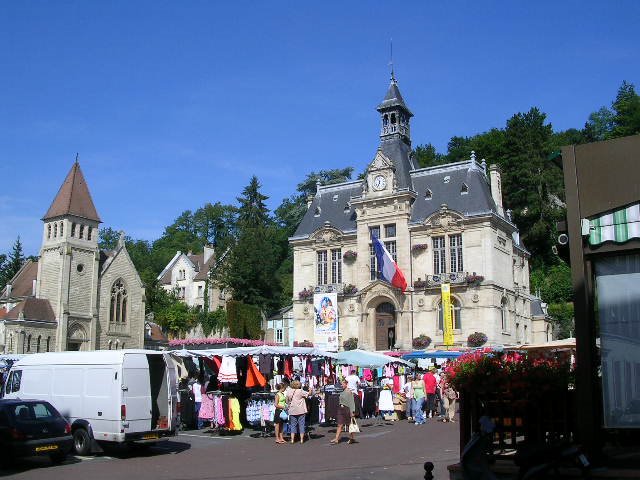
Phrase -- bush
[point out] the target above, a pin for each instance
(243, 320)
(476, 339)
(421, 342)
(349, 289)
(350, 343)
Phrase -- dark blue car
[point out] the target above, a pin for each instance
(33, 428)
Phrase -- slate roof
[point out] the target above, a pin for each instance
(393, 98)
(22, 282)
(330, 202)
(37, 309)
(73, 198)
(536, 307)
(477, 200)
(400, 154)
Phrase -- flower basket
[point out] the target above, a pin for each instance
(421, 342)
(305, 294)
(350, 343)
(304, 343)
(349, 256)
(419, 247)
(474, 279)
(349, 289)
(476, 339)
(420, 284)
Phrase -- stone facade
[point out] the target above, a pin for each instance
(82, 298)
(441, 224)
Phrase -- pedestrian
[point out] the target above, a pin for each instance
(407, 389)
(196, 389)
(439, 404)
(417, 402)
(353, 381)
(346, 413)
(430, 387)
(296, 400)
(450, 397)
(281, 406)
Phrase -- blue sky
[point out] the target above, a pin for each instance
(174, 104)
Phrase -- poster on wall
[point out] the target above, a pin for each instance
(447, 318)
(325, 306)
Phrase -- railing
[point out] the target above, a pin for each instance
(330, 288)
(457, 278)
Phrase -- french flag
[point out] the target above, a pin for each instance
(387, 268)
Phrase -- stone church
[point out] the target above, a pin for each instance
(75, 296)
(443, 224)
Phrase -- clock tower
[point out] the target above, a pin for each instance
(395, 115)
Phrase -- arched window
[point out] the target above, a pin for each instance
(55, 230)
(122, 347)
(29, 343)
(109, 344)
(48, 231)
(38, 344)
(385, 120)
(61, 229)
(89, 233)
(393, 118)
(118, 311)
(48, 343)
(504, 314)
(73, 229)
(457, 315)
(81, 234)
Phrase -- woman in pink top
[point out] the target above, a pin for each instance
(296, 399)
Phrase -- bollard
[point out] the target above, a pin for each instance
(428, 468)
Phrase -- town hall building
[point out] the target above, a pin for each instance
(75, 296)
(443, 224)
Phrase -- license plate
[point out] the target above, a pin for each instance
(150, 436)
(46, 448)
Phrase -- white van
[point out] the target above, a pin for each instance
(106, 395)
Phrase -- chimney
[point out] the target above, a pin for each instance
(209, 251)
(496, 187)
(310, 200)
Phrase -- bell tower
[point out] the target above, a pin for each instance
(395, 116)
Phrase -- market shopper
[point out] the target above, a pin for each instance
(449, 397)
(353, 381)
(407, 389)
(430, 386)
(196, 389)
(281, 405)
(346, 412)
(296, 399)
(417, 402)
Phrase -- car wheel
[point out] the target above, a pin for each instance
(57, 458)
(81, 442)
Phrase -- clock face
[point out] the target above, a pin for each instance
(379, 183)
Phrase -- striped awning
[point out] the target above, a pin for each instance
(618, 226)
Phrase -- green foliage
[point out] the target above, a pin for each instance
(621, 120)
(11, 264)
(172, 314)
(426, 156)
(212, 322)
(553, 283)
(563, 317)
(476, 339)
(243, 321)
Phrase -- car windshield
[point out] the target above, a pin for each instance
(29, 412)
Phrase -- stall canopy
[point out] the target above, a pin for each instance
(261, 350)
(433, 354)
(363, 358)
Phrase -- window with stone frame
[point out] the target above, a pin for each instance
(457, 315)
(279, 335)
(336, 265)
(118, 310)
(504, 314)
(373, 263)
(73, 229)
(323, 267)
(81, 231)
(390, 230)
(391, 248)
(374, 232)
(455, 253)
(48, 231)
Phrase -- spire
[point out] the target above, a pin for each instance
(73, 198)
(393, 98)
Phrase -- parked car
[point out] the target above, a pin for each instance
(33, 428)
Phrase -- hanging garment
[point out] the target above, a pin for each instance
(206, 408)
(288, 366)
(228, 372)
(213, 366)
(265, 363)
(385, 402)
(219, 408)
(254, 377)
(234, 414)
(396, 384)
(280, 366)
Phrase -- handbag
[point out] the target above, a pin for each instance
(353, 426)
(284, 416)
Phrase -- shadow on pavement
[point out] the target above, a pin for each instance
(21, 465)
(145, 450)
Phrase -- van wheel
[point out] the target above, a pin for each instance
(81, 442)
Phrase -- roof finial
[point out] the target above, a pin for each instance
(393, 78)
(77, 156)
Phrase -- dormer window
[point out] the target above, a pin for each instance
(317, 212)
(347, 208)
(465, 189)
(335, 198)
(428, 194)
(447, 179)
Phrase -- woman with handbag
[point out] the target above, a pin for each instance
(280, 416)
(449, 397)
(296, 399)
(346, 416)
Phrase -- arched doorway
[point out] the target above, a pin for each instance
(385, 326)
(76, 338)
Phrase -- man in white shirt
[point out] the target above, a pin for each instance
(353, 381)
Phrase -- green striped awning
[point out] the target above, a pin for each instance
(618, 226)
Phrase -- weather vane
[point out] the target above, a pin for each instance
(391, 60)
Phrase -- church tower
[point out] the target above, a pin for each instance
(395, 115)
(68, 267)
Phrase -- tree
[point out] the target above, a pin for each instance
(10, 265)
(253, 212)
(626, 119)
(599, 125)
(426, 156)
